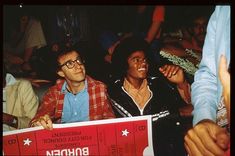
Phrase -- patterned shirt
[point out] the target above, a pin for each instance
(53, 101)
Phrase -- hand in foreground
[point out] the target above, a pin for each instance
(44, 121)
(206, 139)
(173, 73)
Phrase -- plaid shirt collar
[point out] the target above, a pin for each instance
(61, 84)
(65, 90)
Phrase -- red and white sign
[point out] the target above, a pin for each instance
(113, 137)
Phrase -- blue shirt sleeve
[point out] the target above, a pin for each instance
(206, 88)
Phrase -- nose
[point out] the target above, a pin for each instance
(77, 65)
(143, 63)
(202, 28)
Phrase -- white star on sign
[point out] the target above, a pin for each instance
(27, 142)
(125, 132)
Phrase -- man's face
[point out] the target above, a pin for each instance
(199, 29)
(137, 65)
(71, 69)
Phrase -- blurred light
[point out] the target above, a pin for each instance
(21, 5)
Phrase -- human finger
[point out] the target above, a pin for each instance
(175, 70)
(43, 123)
(163, 68)
(49, 124)
(196, 144)
(187, 149)
(48, 121)
(35, 123)
(167, 71)
(207, 140)
(191, 147)
(223, 139)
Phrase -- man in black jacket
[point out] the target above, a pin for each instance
(134, 94)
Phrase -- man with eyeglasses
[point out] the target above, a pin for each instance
(75, 98)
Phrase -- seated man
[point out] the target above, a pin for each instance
(77, 97)
(20, 103)
(25, 38)
(134, 93)
(187, 51)
(193, 33)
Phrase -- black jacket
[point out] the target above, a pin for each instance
(163, 105)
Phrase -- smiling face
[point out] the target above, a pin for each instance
(77, 73)
(137, 66)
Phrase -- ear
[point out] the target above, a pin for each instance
(60, 73)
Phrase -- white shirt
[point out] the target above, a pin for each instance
(10, 80)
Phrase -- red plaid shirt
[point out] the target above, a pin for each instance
(53, 100)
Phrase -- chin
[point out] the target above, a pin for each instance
(143, 76)
(80, 78)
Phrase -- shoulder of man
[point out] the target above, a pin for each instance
(22, 82)
(95, 83)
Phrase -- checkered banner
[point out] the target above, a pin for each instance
(112, 137)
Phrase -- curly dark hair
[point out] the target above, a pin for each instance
(124, 50)
(65, 50)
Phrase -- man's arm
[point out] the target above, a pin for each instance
(30, 103)
(155, 28)
(45, 112)
(206, 137)
(224, 76)
(204, 87)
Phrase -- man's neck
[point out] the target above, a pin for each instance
(75, 87)
(136, 83)
(196, 45)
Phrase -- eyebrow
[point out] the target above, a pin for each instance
(137, 57)
(72, 60)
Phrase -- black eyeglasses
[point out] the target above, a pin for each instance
(70, 64)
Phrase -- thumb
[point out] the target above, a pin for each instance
(222, 139)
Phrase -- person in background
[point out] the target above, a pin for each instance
(187, 51)
(20, 103)
(193, 31)
(26, 36)
(74, 98)
(69, 25)
(44, 62)
(146, 23)
(135, 93)
(209, 135)
(196, 40)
